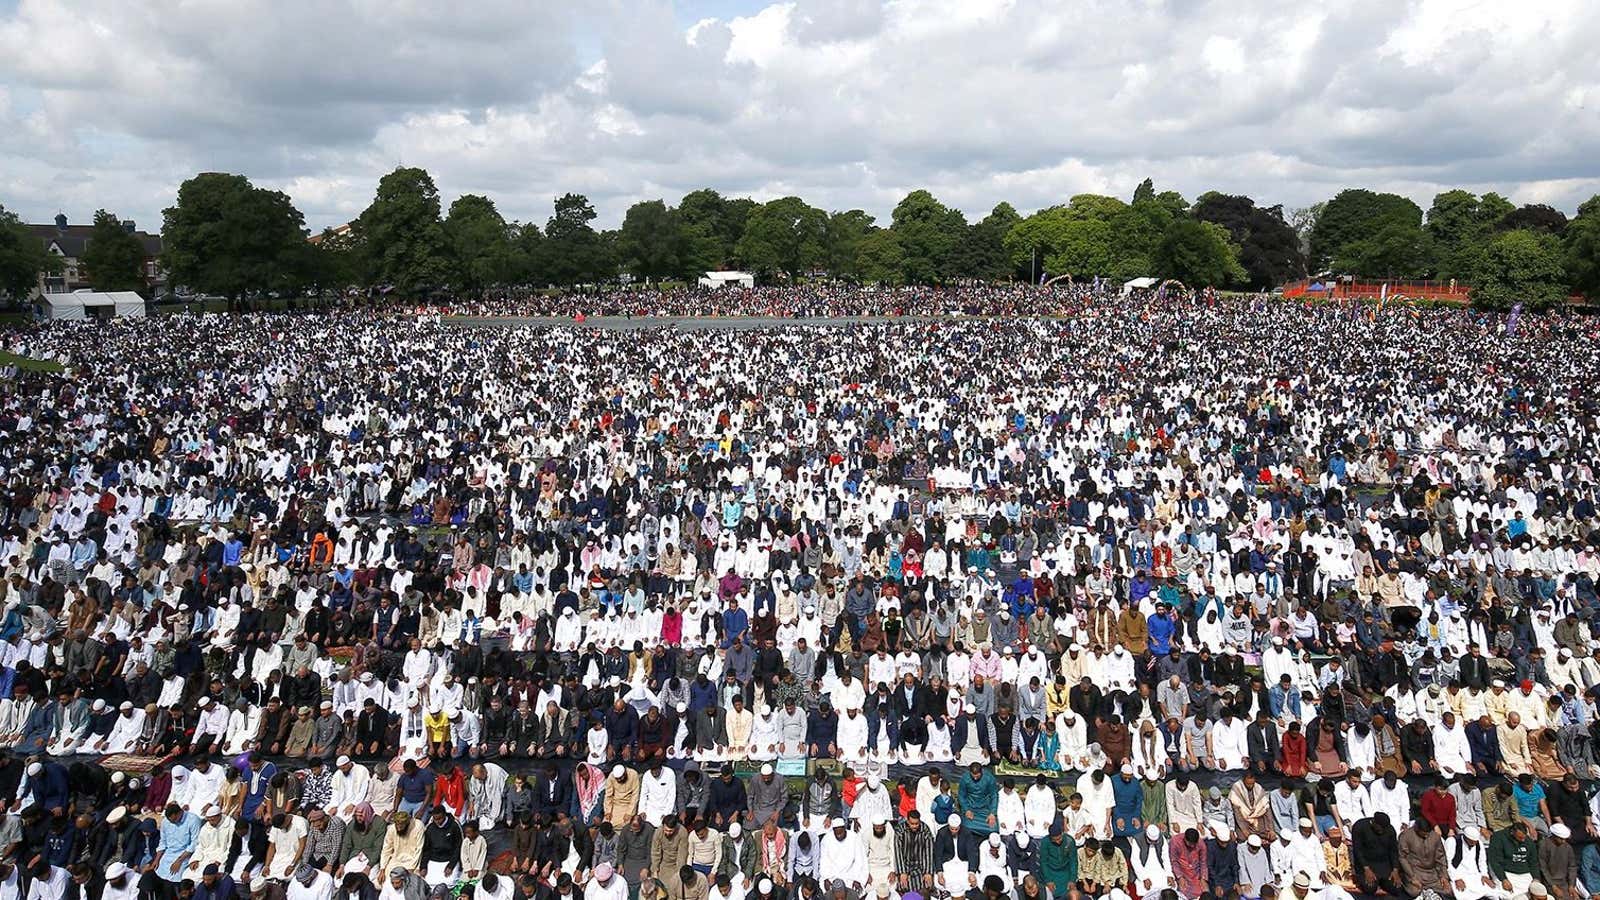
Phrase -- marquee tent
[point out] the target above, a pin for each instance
(727, 279)
(92, 305)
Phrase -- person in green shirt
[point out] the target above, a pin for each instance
(1155, 800)
(1513, 855)
(1058, 860)
(979, 795)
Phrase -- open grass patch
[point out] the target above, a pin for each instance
(28, 364)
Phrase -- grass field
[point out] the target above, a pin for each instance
(30, 365)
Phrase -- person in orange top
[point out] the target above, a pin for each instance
(321, 550)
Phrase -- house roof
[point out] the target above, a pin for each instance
(73, 239)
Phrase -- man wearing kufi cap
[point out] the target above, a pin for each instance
(842, 856)
(1467, 855)
(214, 841)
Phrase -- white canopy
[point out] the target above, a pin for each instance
(92, 305)
(724, 279)
(1137, 284)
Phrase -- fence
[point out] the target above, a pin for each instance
(1447, 291)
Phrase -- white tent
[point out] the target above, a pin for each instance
(1138, 284)
(726, 279)
(91, 305)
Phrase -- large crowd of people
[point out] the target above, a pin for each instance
(821, 299)
(1162, 597)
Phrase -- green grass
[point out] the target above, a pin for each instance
(30, 365)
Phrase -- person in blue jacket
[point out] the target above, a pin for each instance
(47, 782)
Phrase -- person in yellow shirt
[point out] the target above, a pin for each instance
(437, 723)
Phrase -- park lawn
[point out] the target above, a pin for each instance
(30, 365)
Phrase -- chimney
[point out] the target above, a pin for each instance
(61, 221)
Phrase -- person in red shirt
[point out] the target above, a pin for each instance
(1439, 808)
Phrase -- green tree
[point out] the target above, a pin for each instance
(783, 236)
(1145, 192)
(1139, 229)
(650, 241)
(1093, 235)
(878, 258)
(1521, 266)
(1198, 254)
(1493, 208)
(1269, 249)
(717, 224)
(1095, 206)
(527, 254)
(983, 251)
(23, 258)
(113, 256)
(1354, 215)
(1055, 241)
(402, 236)
(1582, 249)
(1534, 217)
(735, 216)
(1458, 230)
(841, 242)
(574, 253)
(929, 234)
(225, 236)
(336, 261)
(480, 243)
(1395, 249)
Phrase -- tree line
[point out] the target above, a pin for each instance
(227, 237)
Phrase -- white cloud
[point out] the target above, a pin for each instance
(848, 103)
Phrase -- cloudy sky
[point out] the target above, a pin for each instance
(848, 103)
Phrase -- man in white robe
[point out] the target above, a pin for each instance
(1451, 752)
(1467, 858)
(842, 857)
(125, 731)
